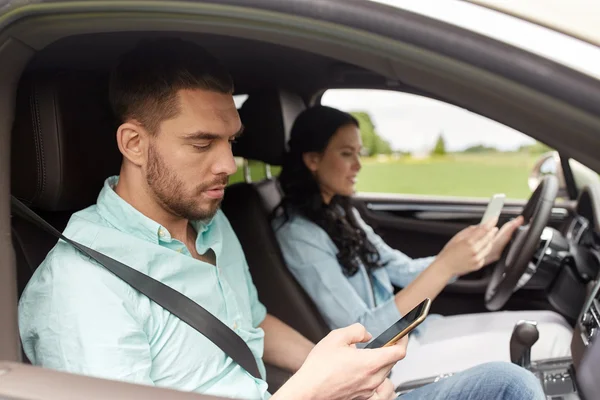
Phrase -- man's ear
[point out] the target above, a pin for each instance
(132, 140)
(311, 160)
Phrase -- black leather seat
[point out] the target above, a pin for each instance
(63, 147)
(267, 117)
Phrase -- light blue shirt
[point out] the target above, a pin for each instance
(311, 256)
(76, 316)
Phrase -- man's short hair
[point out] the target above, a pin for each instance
(144, 85)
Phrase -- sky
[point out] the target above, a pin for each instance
(413, 123)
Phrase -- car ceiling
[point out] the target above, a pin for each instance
(253, 64)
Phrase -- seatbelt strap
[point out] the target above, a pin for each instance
(170, 299)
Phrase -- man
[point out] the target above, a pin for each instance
(161, 216)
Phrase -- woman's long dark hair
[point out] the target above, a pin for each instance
(311, 132)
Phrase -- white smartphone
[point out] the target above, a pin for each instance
(494, 207)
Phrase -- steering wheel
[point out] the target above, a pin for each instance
(519, 252)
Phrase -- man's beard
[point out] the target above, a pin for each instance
(169, 191)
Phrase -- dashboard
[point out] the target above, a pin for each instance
(566, 267)
(584, 233)
(583, 236)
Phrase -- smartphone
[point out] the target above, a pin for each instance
(403, 327)
(494, 207)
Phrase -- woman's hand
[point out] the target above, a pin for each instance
(502, 239)
(468, 250)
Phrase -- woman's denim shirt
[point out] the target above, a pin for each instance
(311, 256)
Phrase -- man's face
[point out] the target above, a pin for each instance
(190, 158)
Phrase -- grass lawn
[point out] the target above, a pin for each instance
(452, 175)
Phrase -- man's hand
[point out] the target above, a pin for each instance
(336, 370)
(385, 391)
(502, 238)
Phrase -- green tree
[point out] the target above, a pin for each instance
(381, 146)
(480, 148)
(372, 142)
(440, 146)
(536, 148)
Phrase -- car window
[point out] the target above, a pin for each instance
(256, 168)
(417, 145)
(239, 99)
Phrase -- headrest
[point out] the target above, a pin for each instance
(267, 116)
(63, 140)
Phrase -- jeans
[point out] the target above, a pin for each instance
(490, 381)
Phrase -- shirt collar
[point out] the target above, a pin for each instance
(126, 218)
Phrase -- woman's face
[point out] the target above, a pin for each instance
(337, 167)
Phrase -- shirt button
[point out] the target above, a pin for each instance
(235, 325)
(180, 250)
(161, 232)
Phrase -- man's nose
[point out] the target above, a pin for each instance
(225, 163)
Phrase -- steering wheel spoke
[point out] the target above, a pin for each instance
(529, 272)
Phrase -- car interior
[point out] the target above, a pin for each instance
(63, 147)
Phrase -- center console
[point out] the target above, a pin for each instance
(560, 377)
(557, 377)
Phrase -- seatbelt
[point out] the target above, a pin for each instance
(170, 299)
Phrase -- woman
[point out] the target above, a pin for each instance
(349, 271)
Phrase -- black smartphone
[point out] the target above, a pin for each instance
(403, 327)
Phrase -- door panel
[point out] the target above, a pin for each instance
(421, 226)
(25, 382)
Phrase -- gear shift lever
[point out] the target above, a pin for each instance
(524, 336)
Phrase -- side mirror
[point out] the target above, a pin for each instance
(548, 164)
